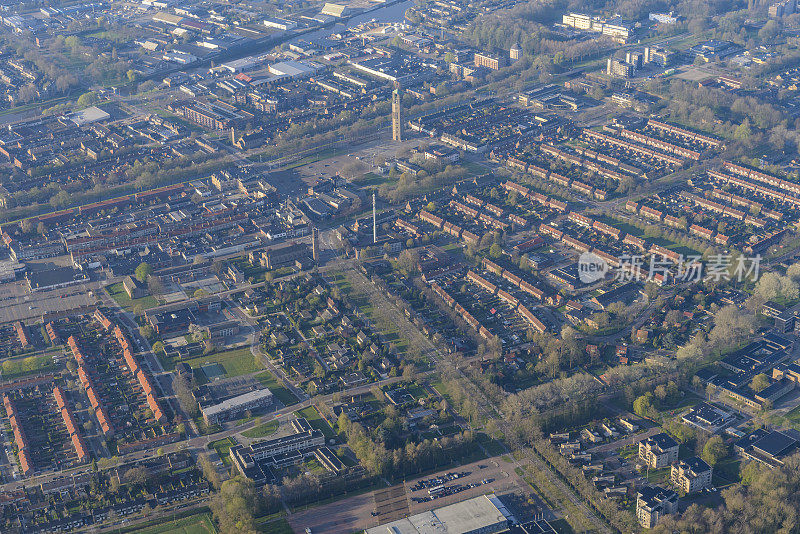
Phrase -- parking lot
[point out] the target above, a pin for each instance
(357, 513)
(16, 304)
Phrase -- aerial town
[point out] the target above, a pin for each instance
(399, 266)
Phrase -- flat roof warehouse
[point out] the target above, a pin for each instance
(485, 515)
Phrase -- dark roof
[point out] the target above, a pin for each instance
(663, 441)
(705, 374)
(740, 362)
(707, 414)
(696, 464)
(655, 495)
(751, 438)
(774, 390)
(777, 341)
(775, 444)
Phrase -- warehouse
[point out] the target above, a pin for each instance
(482, 515)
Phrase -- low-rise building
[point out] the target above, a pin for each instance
(133, 288)
(707, 417)
(236, 406)
(768, 447)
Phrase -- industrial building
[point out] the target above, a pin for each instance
(481, 515)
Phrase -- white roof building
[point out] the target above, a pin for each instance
(88, 116)
(294, 69)
(481, 515)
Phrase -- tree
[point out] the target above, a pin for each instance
(147, 332)
(643, 406)
(743, 131)
(408, 260)
(155, 286)
(759, 382)
(138, 476)
(769, 30)
(200, 293)
(143, 271)
(183, 392)
(235, 505)
(209, 471)
(87, 99)
(495, 251)
(714, 450)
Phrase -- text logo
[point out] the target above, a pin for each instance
(591, 268)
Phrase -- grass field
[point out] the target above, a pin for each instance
(117, 293)
(316, 421)
(223, 447)
(261, 431)
(281, 392)
(194, 524)
(794, 415)
(276, 526)
(236, 362)
(19, 367)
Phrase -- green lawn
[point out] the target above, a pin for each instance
(261, 431)
(223, 447)
(236, 362)
(194, 524)
(281, 392)
(439, 386)
(492, 446)
(117, 293)
(276, 526)
(18, 367)
(794, 415)
(316, 421)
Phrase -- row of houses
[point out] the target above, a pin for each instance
(69, 421)
(612, 140)
(783, 197)
(88, 385)
(726, 211)
(139, 374)
(20, 439)
(658, 144)
(582, 161)
(671, 220)
(448, 227)
(750, 204)
(509, 299)
(684, 134)
(563, 181)
(461, 311)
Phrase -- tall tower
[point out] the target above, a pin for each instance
(315, 244)
(397, 113)
(374, 221)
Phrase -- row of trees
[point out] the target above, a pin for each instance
(767, 500)
(401, 461)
